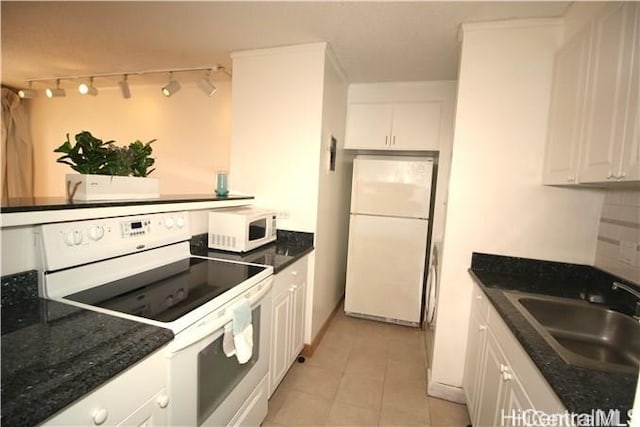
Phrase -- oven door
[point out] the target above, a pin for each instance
(207, 388)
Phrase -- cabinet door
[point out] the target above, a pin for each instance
(515, 401)
(416, 126)
(473, 362)
(152, 413)
(566, 115)
(297, 319)
(492, 384)
(280, 325)
(368, 126)
(608, 85)
(630, 150)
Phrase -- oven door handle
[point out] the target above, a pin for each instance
(206, 327)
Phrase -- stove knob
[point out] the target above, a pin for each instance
(77, 237)
(168, 222)
(169, 301)
(68, 238)
(96, 232)
(180, 294)
(180, 222)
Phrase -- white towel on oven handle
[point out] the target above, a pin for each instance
(238, 335)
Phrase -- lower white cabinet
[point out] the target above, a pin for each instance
(136, 397)
(500, 380)
(287, 320)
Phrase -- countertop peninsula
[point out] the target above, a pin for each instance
(39, 210)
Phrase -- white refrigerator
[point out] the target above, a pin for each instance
(388, 228)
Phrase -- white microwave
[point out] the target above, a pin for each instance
(241, 229)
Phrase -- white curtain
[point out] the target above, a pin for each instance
(17, 148)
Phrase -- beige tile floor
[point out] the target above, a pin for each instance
(363, 373)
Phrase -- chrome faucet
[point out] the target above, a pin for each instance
(617, 285)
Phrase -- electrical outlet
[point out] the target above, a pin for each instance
(627, 252)
(282, 215)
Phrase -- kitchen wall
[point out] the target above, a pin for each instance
(497, 203)
(334, 196)
(620, 227)
(192, 132)
(286, 103)
(276, 130)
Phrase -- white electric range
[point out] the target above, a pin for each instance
(140, 268)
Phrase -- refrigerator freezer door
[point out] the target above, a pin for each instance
(391, 186)
(385, 267)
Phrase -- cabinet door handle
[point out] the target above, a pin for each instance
(386, 140)
(610, 175)
(100, 416)
(294, 273)
(482, 328)
(506, 376)
(163, 401)
(394, 140)
(571, 178)
(478, 296)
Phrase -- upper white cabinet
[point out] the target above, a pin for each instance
(612, 141)
(393, 126)
(593, 125)
(567, 113)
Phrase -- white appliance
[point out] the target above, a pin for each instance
(241, 229)
(388, 229)
(140, 268)
(430, 303)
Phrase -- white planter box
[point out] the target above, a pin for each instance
(108, 187)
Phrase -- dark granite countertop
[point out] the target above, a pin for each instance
(53, 353)
(31, 204)
(287, 249)
(581, 390)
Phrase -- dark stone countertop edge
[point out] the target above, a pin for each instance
(296, 244)
(581, 390)
(30, 410)
(60, 203)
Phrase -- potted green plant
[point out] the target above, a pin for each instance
(107, 171)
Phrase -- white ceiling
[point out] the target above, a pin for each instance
(374, 41)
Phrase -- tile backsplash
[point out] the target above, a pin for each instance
(618, 247)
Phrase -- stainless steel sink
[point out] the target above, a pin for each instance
(583, 334)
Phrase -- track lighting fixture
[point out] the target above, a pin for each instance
(85, 89)
(124, 87)
(172, 87)
(57, 92)
(206, 85)
(27, 93)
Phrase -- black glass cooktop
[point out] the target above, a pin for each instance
(171, 291)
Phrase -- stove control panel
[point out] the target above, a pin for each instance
(136, 227)
(67, 244)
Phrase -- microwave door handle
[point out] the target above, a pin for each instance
(189, 338)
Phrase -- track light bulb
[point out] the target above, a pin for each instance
(172, 87)
(206, 86)
(27, 93)
(57, 92)
(124, 87)
(89, 89)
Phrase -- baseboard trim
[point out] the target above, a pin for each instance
(445, 391)
(309, 349)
